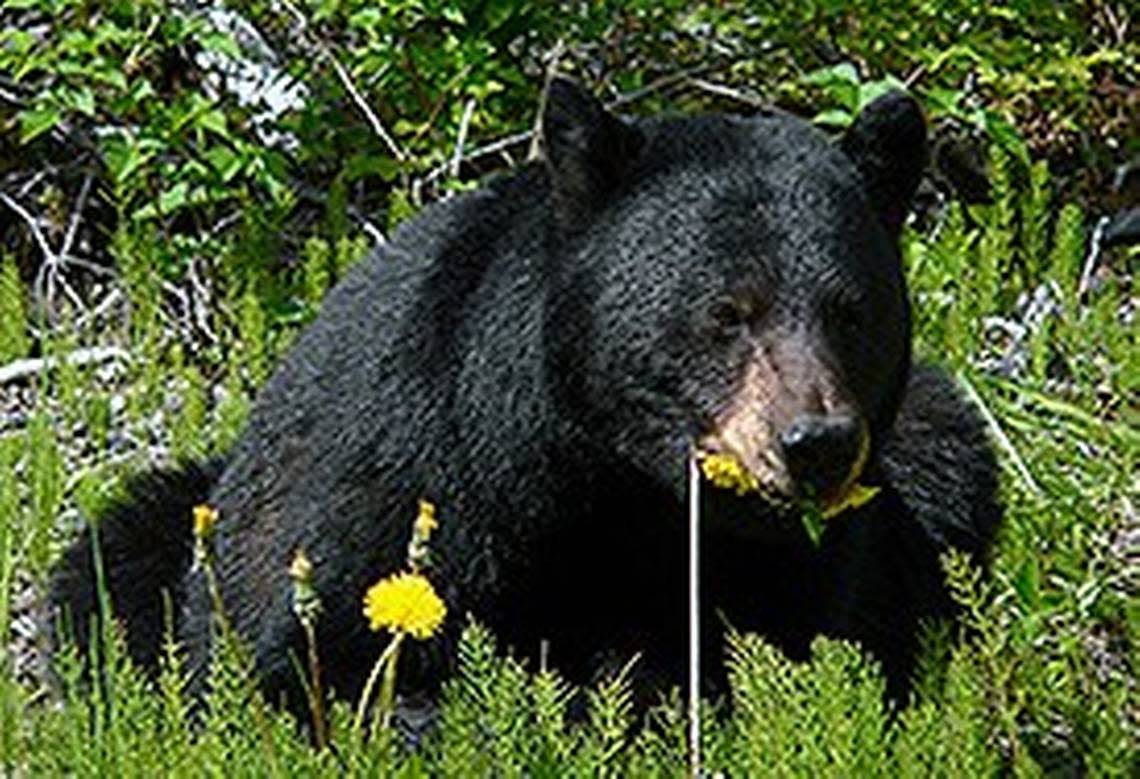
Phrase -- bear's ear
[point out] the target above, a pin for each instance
(887, 143)
(588, 150)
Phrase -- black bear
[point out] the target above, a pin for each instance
(539, 358)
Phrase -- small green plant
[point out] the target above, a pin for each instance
(846, 92)
(14, 342)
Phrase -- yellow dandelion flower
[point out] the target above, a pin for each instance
(728, 473)
(404, 602)
(205, 517)
(425, 521)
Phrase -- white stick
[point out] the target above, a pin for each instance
(694, 621)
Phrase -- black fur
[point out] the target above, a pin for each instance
(145, 548)
(538, 358)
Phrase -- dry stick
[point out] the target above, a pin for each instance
(999, 434)
(694, 621)
(37, 233)
(76, 215)
(482, 151)
(31, 366)
(1091, 258)
(346, 80)
(52, 260)
(465, 120)
(665, 81)
(722, 90)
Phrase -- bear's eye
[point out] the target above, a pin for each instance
(729, 317)
(726, 315)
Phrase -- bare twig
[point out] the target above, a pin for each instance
(37, 233)
(10, 97)
(723, 90)
(374, 232)
(346, 80)
(33, 180)
(109, 300)
(47, 269)
(550, 62)
(362, 104)
(464, 122)
(76, 215)
(21, 369)
(1000, 436)
(493, 147)
(1092, 257)
(660, 84)
(200, 295)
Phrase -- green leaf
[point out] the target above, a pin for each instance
(214, 121)
(360, 165)
(37, 121)
(843, 73)
(122, 155)
(834, 117)
(224, 161)
(174, 198)
(221, 43)
(873, 90)
(83, 100)
(813, 521)
(1007, 136)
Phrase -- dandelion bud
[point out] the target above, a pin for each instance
(425, 521)
(301, 570)
(306, 602)
(205, 517)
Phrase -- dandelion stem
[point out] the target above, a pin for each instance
(380, 665)
(384, 703)
(316, 694)
(694, 620)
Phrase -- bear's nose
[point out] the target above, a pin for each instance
(821, 450)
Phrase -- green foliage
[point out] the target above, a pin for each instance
(14, 340)
(254, 338)
(841, 85)
(190, 424)
(46, 471)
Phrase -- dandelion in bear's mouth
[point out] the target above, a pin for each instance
(404, 602)
(727, 473)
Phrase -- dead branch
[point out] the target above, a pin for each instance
(32, 366)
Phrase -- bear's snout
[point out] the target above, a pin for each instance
(824, 453)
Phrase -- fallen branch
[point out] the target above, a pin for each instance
(1000, 436)
(22, 369)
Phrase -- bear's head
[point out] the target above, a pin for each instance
(732, 285)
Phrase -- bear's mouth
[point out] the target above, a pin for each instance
(760, 472)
